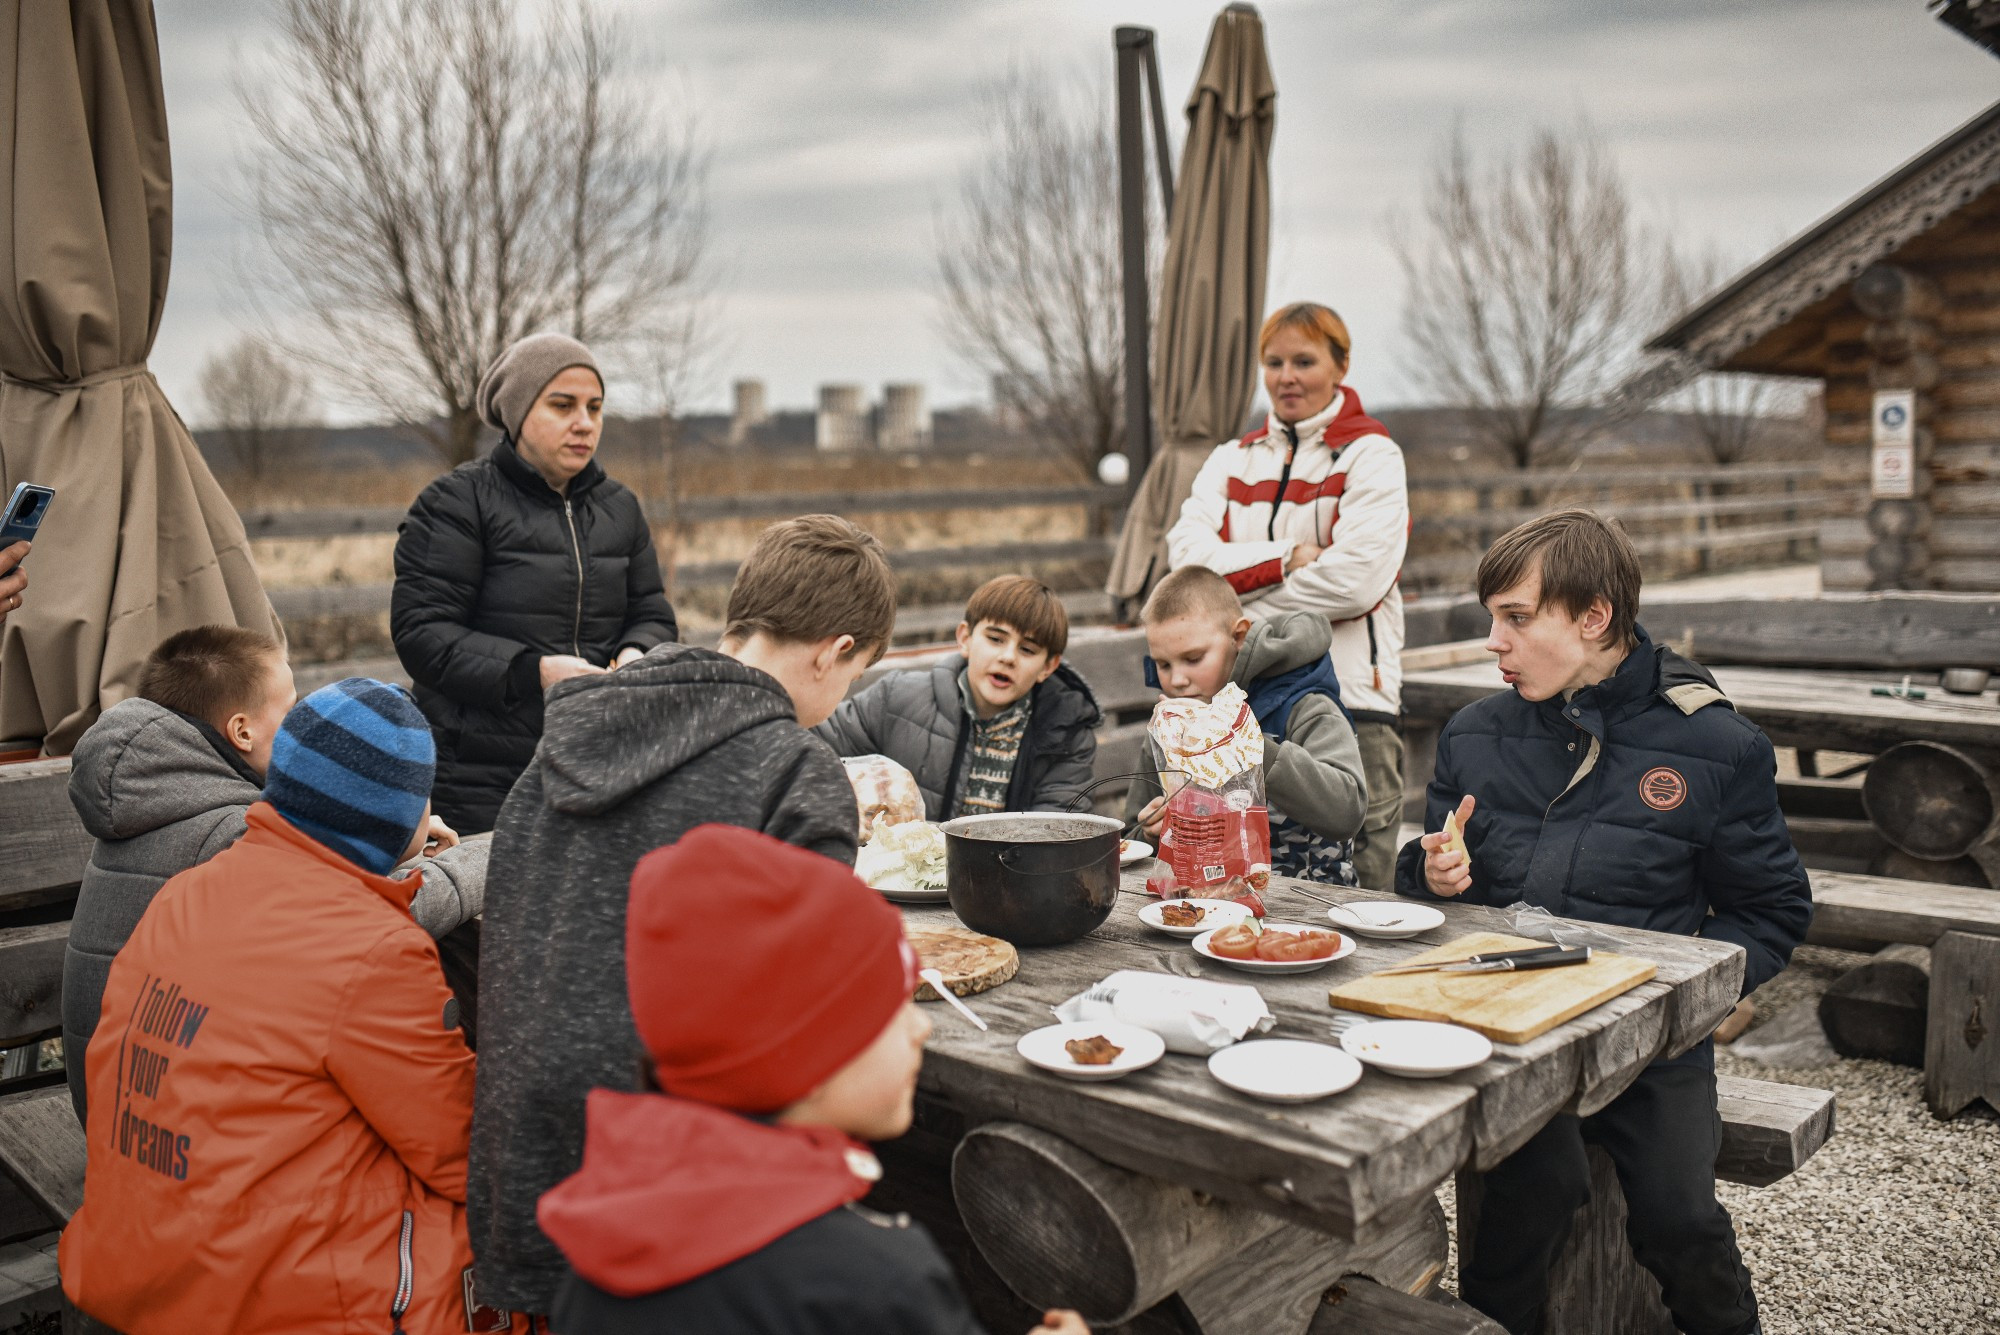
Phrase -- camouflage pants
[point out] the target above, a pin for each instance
(1382, 765)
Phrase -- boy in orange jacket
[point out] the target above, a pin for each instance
(280, 1099)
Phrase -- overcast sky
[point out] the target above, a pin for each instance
(838, 128)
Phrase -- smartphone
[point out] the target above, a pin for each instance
(24, 512)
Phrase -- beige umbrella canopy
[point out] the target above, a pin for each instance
(1212, 290)
(139, 542)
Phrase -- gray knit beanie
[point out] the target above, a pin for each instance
(520, 374)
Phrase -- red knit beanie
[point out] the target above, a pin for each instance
(757, 969)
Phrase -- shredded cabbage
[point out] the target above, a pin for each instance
(903, 857)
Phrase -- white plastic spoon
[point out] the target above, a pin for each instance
(936, 980)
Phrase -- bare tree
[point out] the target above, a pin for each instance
(1730, 413)
(258, 403)
(1525, 298)
(436, 178)
(1028, 266)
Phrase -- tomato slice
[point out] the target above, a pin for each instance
(1236, 943)
(1286, 947)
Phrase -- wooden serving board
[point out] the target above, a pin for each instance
(969, 962)
(1506, 1007)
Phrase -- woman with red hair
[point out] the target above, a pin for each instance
(1311, 512)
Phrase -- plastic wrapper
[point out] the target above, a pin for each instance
(1218, 822)
(1538, 924)
(1194, 1015)
(886, 793)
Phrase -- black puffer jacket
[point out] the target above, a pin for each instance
(917, 718)
(1643, 801)
(494, 569)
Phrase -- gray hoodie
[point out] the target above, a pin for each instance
(1313, 774)
(628, 762)
(161, 792)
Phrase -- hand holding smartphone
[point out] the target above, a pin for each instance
(26, 508)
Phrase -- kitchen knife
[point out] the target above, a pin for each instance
(1545, 959)
(1490, 957)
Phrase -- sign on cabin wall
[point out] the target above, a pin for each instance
(1894, 466)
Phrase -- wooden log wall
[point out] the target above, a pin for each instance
(1928, 321)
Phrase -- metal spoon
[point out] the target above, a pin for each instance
(936, 980)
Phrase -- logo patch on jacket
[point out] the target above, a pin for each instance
(1663, 789)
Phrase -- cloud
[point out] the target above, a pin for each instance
(837, 130)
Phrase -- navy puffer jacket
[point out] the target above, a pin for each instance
(1643, 801)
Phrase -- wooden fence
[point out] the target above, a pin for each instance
(1691, 518)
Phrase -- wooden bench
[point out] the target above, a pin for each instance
(1768, 1130)
(1960, 926)
(41, 1157)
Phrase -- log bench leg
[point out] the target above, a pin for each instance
(1063, 1228)
(1962, 1044)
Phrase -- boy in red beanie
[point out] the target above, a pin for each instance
(724, 1200)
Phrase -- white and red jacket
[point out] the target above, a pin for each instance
(1342, 488)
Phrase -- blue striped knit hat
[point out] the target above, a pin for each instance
(351, 766)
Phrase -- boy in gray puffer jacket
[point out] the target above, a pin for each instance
(162, 781)
(1002, 725)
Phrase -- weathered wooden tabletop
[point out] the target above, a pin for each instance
(1353, 1164)
(1834, 711)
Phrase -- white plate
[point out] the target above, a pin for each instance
(1133, 850)
(937, 896)
(1284, 1070)
(1419, 1049)
(1215, 915)
(1340, 952)
(1385, 919)
(1044, 1048)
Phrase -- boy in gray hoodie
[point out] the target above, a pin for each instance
(630, 761)
(162, 782)
(1197, 642)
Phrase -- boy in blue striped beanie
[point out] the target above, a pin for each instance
(352, 767)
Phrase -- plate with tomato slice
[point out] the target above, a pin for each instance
(1273, 947)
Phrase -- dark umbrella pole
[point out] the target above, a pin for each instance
(1138, 59)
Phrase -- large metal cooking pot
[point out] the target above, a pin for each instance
(1035, 879)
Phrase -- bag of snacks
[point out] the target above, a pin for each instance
(1212, 771)
(884, 791)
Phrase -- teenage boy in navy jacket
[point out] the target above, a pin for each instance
(1613, 783)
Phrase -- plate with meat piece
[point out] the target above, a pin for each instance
(1092, 1049)
(1188, 918)
(1133, 850)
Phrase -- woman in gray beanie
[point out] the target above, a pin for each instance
(519, 570)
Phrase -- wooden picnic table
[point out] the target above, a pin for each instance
(1357, 1171)
(1812, 710)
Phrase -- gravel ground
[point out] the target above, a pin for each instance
(1895, 1224)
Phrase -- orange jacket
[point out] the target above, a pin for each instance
(279, 1111)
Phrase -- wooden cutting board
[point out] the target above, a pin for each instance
(969, 962)
(1506, 1007)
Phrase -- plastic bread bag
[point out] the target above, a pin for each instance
(1194, 1015)
(884, 791)
(1218, 821)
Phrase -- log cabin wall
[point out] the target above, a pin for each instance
(1925, 318)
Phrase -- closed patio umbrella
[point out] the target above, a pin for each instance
(1212, 287)
(140, 541)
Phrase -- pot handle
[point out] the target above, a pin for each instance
(1007, 853)
(1113, 778)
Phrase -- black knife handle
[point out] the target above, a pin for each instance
(1551, 959)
